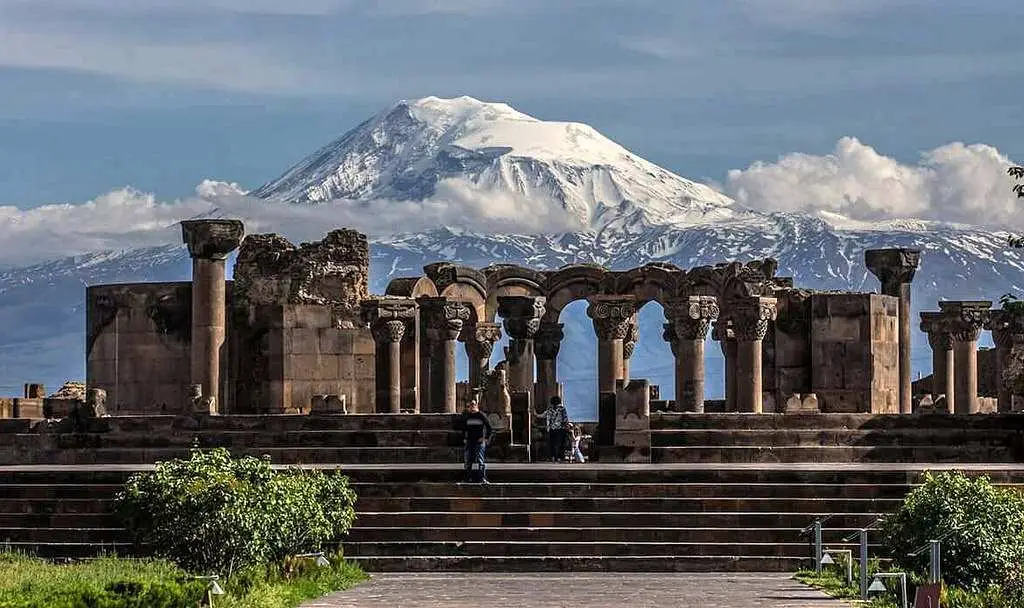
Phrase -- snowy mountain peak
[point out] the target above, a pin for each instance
(405, 152)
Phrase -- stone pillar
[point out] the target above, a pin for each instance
(895, 269)
(209, 243)
(965, 320)
(750, 319)
(1007, 327)
(941, 342)
(722, 331)
(480, 340)
(389, 320)
(612, 317)
(546, 344)
(444, 320)
(522, 316)
(689, 319)
(629, 345)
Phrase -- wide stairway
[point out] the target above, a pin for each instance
(839, 438)
(287, 439)
(533, 517)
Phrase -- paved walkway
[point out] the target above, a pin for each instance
(579, 590)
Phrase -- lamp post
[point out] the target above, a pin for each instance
(828, 560)
(213, 587)
(877, 586)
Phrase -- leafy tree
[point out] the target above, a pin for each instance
(1017, 173)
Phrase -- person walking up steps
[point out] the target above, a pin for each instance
(476, 431)
(557, 422)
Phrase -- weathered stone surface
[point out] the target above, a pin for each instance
(212, 239)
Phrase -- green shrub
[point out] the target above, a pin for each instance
(212, 513)
(981, 527)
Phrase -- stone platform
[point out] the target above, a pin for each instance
(655, 518)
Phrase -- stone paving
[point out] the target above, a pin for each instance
(579, 590)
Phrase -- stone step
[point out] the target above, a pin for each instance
(167, 424)
(832, 536)
(629, 505)
(666, 563)
(573, 549)
(61, 520)
(906, 437)
(630, 490)
(1003, 422)
(836, 454)
(243, 439)
(584, 519)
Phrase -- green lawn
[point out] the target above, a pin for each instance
(110, 582)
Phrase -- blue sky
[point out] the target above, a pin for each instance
(160, 94)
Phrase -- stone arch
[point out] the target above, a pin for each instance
(510, 280)
(657, 281)
(571, 283)
(411, 287)
(460, 284)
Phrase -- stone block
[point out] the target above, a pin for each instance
(362, 342)
(346, 368)
(522, 409)
(35, 391)
(302, 341)
(6, 407)
(27, 408)
(307, 316)
(364, 367)
(60, 408)
(302, 367)
(337, 341)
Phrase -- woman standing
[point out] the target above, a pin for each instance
(557, 422)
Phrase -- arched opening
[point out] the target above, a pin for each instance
(577, 362)
(652, 355)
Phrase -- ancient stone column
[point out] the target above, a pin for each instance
(1007, 327)
(750, 319)
(546, 344)
(480, 340)
(612, 317)
(941, 341)
(389, 320)
(629, 345)
(521, 315)
(689, 319)
(444, 320)
(209, 243)
(895, 269)
(965, 319)
(726, 337)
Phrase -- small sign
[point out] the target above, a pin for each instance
(927, 596)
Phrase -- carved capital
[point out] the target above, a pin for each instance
(964, 319)
(548, 340)
(387, 332)
(522, 315)
(936, 325)
(212, 239)
(481, 338)
(632, 337)
(443, 318)
(692, 316)
(893, 267)
(389, 318)
(669, 335)
(751, 317)
(1007, 327)
(612, 316)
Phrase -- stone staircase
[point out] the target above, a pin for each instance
(839, 438)
(532, 518)
(287, 439)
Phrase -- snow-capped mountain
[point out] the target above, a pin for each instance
(629, 212)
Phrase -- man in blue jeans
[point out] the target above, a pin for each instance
(476, 431)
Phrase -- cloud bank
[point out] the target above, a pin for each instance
(952, 183)
(127, 218)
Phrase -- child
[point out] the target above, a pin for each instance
(577, 435)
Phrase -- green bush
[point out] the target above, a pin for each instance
(981, 527)
(211, 513)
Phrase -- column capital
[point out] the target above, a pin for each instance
(388, 317)
(965, 318)
(668, 334)
(692, 316)
(1007, 327)
(611, 315)
(548, 340)
(212, 239)
(632, 337)
(939, 332)
(522, 315)
(751, 316)
(481, 338)
(893, 266)
(443, 318)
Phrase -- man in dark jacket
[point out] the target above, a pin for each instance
(476, 431)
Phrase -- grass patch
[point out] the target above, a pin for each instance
(834, 585)
(111, 582)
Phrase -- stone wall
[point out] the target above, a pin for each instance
(295, 326)
(137, 344)
(855, 353)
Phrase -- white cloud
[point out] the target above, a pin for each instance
(127, 218)
(954, 183)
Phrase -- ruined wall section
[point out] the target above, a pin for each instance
(855, 352)
(296, 327)
(137, 344)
